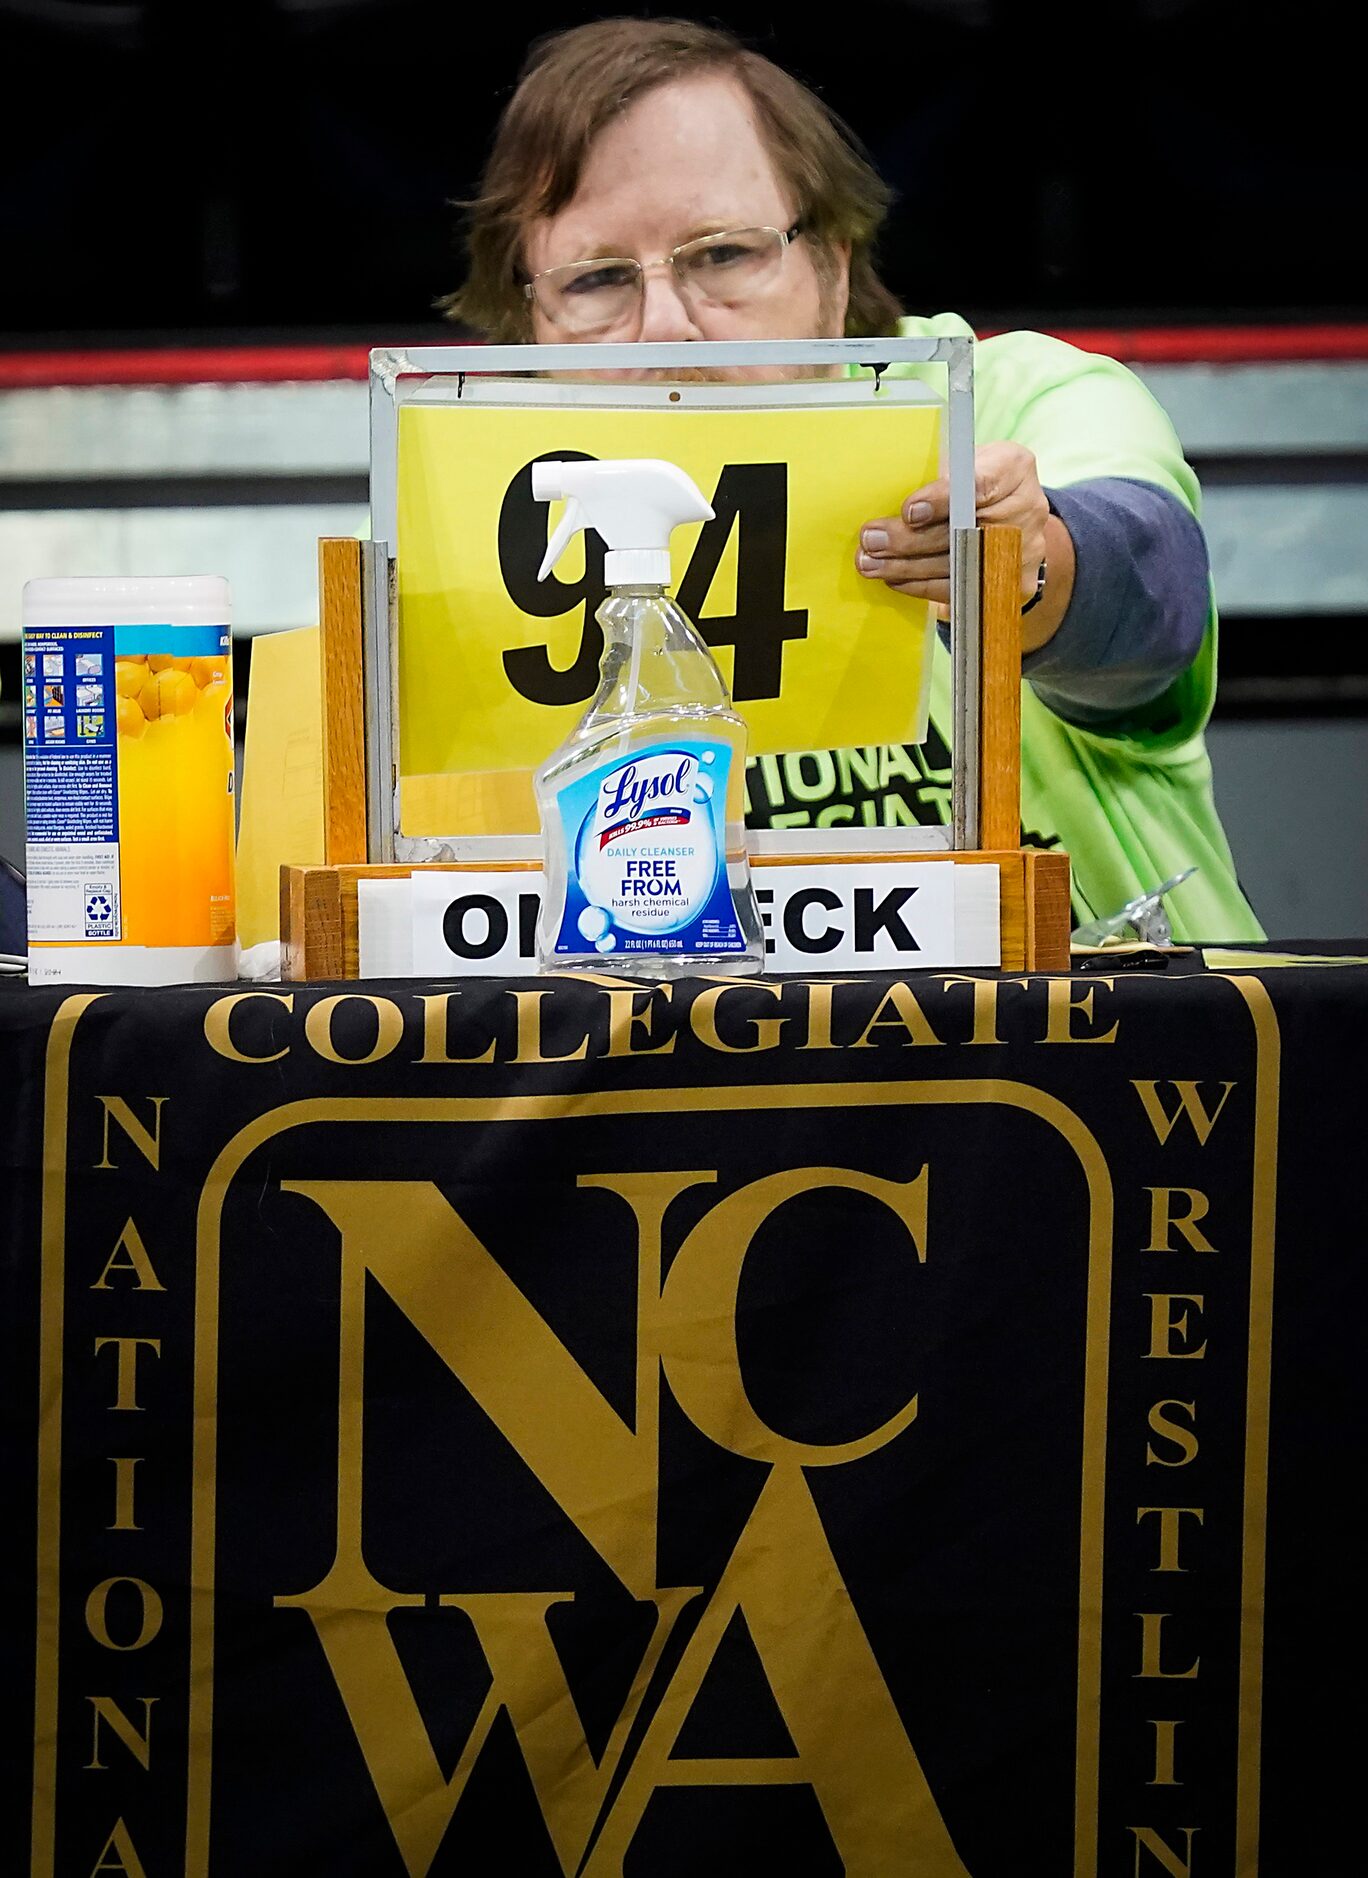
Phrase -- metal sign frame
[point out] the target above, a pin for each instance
(397, 377)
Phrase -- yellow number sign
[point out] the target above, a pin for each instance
(495, 667)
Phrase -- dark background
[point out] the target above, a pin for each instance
(225, 171)
(242, 167)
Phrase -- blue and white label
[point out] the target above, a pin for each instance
(71, 783)
(645, 840)
(71, 769)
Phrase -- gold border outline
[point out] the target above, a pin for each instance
(1253, 993)
(1258, 1412)
(454, 1109)
(51, 1325)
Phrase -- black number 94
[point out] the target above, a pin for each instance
(752, 497)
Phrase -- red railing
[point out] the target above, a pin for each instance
(265, 365)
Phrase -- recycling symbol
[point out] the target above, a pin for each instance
(98, 910)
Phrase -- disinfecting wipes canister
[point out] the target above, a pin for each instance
(128, 780)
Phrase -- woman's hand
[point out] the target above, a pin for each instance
(910, 552)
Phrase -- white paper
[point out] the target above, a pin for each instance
(836, 916)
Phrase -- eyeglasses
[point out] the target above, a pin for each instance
(724, 270)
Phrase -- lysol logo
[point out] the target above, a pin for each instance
(648, 792)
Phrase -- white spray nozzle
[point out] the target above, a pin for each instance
(633, 502)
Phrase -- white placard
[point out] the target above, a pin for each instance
(833, 916)
(384, 927)
(877, 916)
(478, 923)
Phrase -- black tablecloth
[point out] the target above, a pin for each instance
(882, 1426)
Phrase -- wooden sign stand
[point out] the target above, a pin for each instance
(318, 905)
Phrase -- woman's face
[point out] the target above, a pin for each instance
(683, 161)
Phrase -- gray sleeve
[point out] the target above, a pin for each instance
(1139, 606)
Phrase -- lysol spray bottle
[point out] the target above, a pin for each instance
(128, 780)
(642, 808)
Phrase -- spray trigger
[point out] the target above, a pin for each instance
(633, 503)
(571, 523)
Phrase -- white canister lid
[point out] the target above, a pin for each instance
(126, 600)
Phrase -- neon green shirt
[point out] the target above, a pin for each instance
(1131, 800)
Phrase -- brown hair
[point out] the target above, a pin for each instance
(574, 83)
